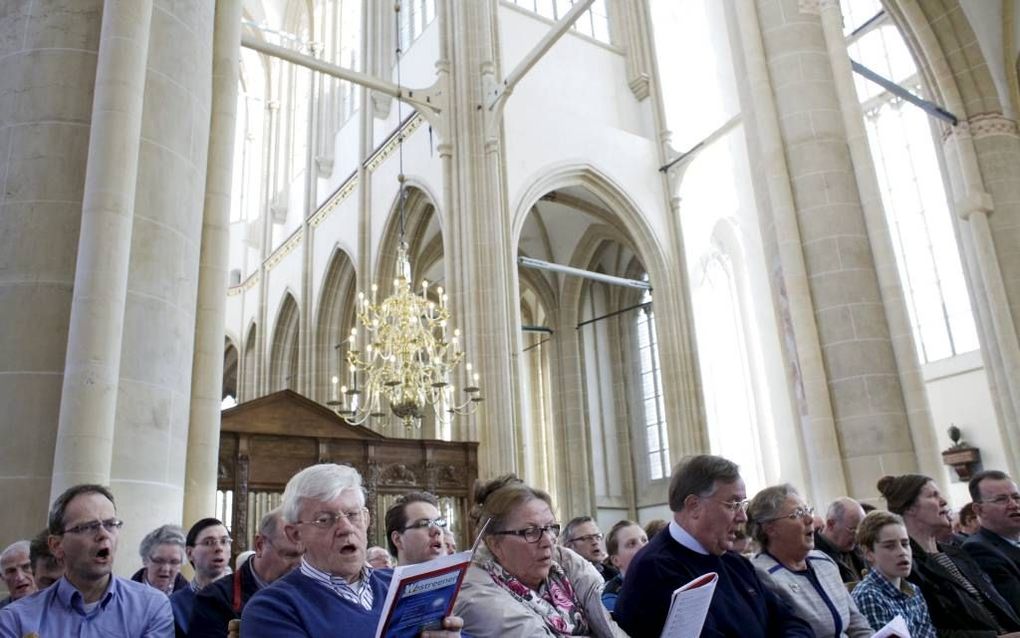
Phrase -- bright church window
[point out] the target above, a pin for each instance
(593, 23)
(415, 15)
(913, 195)
(656, 438)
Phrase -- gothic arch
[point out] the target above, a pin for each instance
(334, 319)
(625, 213)
(231, 363)
(419, 211)
(249, 367)
(962, 82)
(283, 358)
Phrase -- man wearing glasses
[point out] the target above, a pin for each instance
(208, 548)
(582, 534)
(89, 599)
(996, 546)
(709, 502)
(414, 528)
(333, 591)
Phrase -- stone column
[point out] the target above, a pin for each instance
(477, 240)
(147, 472)
(476, 230)
(46, 89)
(207, 364)
(783, 248)
(914, 393)
(831, 232)
(88, 402)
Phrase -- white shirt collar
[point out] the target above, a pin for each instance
(684, 537)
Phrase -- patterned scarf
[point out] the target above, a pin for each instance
(554, 602)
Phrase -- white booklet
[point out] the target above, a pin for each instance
(896, 628)
(420, 596)
(689, 608)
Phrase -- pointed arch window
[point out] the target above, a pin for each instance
(654, 411)
(913, 194)
(593, 23)
(415, 15)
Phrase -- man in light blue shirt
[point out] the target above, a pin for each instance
(89, 600)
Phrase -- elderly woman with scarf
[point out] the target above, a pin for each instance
(521, 582)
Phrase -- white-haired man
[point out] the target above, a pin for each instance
(838, 538)
(333, 587)
(17, 572)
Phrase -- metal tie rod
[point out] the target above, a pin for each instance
(538, 264)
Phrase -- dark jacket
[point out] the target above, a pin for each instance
(741, 605)
(954, 612)
(179, 583)
(852, 566)
(1000, 559)
(216, 604)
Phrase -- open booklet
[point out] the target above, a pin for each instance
(895, 628)
(421, 595)
(689, 607)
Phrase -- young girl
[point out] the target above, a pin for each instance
(885, 592)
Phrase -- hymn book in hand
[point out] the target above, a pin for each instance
(689, 607)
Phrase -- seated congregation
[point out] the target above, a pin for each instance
(782, 571)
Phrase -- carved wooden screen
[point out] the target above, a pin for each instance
(266, 441)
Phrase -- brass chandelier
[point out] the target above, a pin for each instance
(411, 353)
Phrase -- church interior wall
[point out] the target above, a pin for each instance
(959, 395)
(580, 160)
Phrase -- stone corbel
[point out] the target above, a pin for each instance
(324, 164)
(974, 202)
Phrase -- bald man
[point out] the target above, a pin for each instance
(838, 538)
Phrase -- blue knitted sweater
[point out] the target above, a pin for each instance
(297, 606)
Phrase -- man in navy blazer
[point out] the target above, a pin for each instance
(709, 501)
(996, 546)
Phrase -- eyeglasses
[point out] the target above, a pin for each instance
(111, 525)
(800, 512)
(426, 523)
(212, 541)
(328, 520)
(1004, 499)
(163, 562)
(531, 534)
(587, 538)
(734, 506)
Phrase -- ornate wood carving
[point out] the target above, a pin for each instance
(265, 441)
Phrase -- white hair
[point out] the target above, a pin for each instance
(162, 535)
(14, 548)
(323, 482)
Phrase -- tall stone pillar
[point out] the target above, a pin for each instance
(853, 332)
(154, 388)
(914, 393)
(477, 232)
(47, 77)
(789, 278)
(207, 366)
(88, 402)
